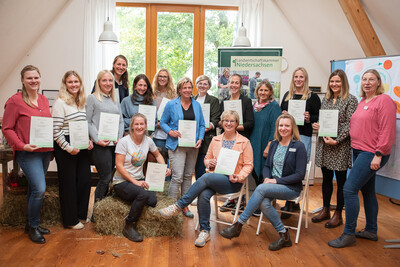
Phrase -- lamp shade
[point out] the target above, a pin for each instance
(108, 36)
(241, 40)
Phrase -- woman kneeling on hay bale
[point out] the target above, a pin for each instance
(129, 185)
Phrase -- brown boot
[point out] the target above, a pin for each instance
(323, 215)
(335, 221)
(283, 241)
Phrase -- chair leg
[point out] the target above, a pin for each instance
(238, 204)
(307, 200)
(247, 196)
(216, 206)
(259, 225)
(299, 223)
(197, 226)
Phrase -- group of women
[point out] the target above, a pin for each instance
(272, 147)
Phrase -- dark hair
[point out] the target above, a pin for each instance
(148, 96)
(124, 77)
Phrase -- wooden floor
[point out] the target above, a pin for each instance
(83, 247)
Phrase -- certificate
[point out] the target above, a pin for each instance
(161, 108)
(235, 105)
(188, 133)
(206, 113)
(155, 176)
(296, 109)
(150, 113)
(79, 134)
(41, 132)
(328, 122)
(227, 161)
(108, 126)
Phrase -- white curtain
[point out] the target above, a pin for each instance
(97, 56)
(251, 14)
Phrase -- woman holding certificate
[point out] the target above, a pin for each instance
(142, 95)
(283, 173)
(372, 133)
(183, 121)
(73, 167)
(299, 93)
(129, 185)
(33, 160)
(230, 143)
(106, 127)
(333, 154)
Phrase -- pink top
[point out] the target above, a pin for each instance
(17, 120)
(373, 125)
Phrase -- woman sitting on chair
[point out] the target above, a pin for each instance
(283, 173)
(210, 183)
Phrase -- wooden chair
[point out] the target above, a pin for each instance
(304, 199)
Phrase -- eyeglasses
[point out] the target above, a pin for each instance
(228, 121)
(163, 77)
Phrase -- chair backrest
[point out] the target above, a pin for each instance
(306, 183)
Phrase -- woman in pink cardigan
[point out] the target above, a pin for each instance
(210, 183)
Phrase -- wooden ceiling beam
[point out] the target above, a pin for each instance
(362, 27)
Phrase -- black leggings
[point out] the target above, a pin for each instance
(327, 187)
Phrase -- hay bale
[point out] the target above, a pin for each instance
(13, 210)
(110, 214)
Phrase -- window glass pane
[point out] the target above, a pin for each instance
(220, 29)
(175, 43)
(131, 22)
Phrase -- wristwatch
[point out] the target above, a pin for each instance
(378, 154)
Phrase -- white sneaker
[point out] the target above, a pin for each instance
(194, 202)
(77, 226)
(202, 239)
(170, 211)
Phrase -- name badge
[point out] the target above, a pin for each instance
(292, 149)
(365, 107)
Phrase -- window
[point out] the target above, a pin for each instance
(182, 38)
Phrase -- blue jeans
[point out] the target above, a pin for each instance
(205, 187)
(34, 165)
(362, 178)
(200, 168)
(160, 143)
(307, 141)
(262, 198)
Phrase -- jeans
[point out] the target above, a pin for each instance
(160, 143)
(183, 161)
(200, 168)
(104, 160)
(362, 178)
(34, 165)
(262, 198)
(307, 141)
(204, 188)
(138, 196)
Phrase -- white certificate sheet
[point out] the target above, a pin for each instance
(41, 132)
(328, 122)
(227, 161)
(296, 109)
(150, 113)
(235, 105)
(155, 176)
(79, 134)
(161, 108)
(206, 113)
(188, 133)
(108, 126)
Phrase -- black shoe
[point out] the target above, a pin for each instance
(229, 204)
(36, 236)
(367, 235)
(283, 241)
(232, 231)
(257, 213)
(342, 241)
(42, 230)
(131, 233)
(289, 206)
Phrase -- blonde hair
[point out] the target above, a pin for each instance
(344, 91)
(306, 89)
(25, 95)
(295, 129)
(69, 99)
(230, 113)
(181, 83)
(268, 85)
(380, 90)
(137, 115)
(98, 93)
(203, 78)
(170, 87)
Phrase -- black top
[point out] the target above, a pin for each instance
(189, 113)
(313, 104)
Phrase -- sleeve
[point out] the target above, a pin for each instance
(202, 125)
(121, 130)
(386, 124)
(300, 168)
(58, 115)
(166, 117)
(214, 112)
(90, 109)
(125, 114)
(267, 170)
(315, 106)
(121, 147)
(152, 145)
(344, 127)
(284, 103)
(247, 160)
(248, 116)
(10, 117)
